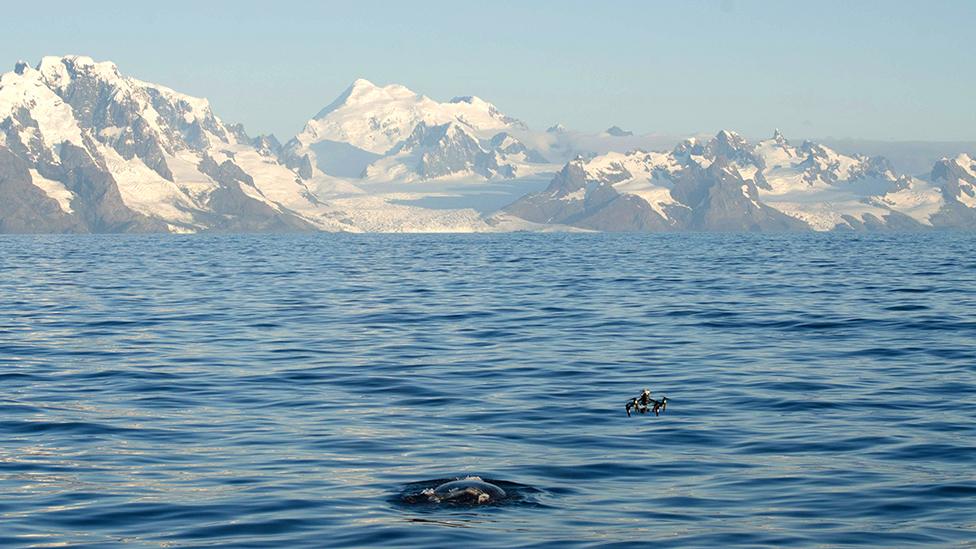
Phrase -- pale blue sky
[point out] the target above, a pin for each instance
(888, 70)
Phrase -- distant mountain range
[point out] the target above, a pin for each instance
(728, 184)
(84, 148)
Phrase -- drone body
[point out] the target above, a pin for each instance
(644, 403)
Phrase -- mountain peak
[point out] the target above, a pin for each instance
(376, 118)
(363, 91)
(77, 64)
(60, 71)
(728, 135)
(617, 131)
(362, 84)
(731, 140)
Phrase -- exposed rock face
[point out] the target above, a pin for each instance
(97, 199)
(573, 200)
(721, 200)
(234, 202)
(559, 202)
(446, 149)
(134, 118)
(25, 208)
(450, 149)
(956, 179)
(299, 162)
(267, 145)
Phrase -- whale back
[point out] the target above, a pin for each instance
(469, 490)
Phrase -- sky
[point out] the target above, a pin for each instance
(867, 69)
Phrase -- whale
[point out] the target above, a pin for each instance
(468, 490)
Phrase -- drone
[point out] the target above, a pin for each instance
(644, 403)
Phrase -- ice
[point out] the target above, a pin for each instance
(145, 191)
(920, 200)
(54, 189)
(55, 120)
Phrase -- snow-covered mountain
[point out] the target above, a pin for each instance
(376, 119)
(114, 153)
(726, 183)
(84, 148)
(392, 134)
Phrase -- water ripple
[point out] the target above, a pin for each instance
(286, 390)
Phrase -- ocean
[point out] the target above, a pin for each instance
(300, 390)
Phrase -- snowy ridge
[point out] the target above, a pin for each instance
(646, 175)
(401, 136)
(375, 118)
(726, 183)
(51, 121)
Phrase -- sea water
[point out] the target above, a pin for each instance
(289, 390)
